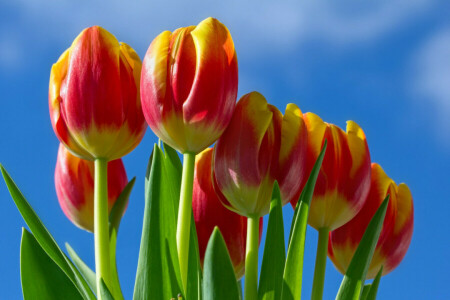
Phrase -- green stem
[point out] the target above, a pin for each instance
(101, 225)
(321, 263)
(251, 259)
(184, 215)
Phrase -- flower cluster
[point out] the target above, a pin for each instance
(101, 99)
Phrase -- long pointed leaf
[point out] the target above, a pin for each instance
(44, 238)
(118, 209)
(115, 217)
(194, 284)
(84, 269)
(104, 291)
(158, 273)
(372, 289)
(219, 280)
(41, 277)
(271, 278)
(292, 277)
(353, 282)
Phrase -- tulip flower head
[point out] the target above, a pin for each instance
(74, 182)
(246, 156)
(209, 213)
(292, 160)
(395, 235)
(189, 85)
(94, 101)
(344, 178)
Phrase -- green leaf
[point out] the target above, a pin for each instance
(370, 290)
(365, 291)
(118, 209)
(219, 280)
(158, 272)
(115, 216)
(271, 278)
(105, 294)
(41, 277)
(241, 296)
(353, 282)
(84, 269)
(292, 277)
(45, 239)
(194, 284)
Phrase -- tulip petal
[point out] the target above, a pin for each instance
(292, 153)
(246, 155)
(344, 178)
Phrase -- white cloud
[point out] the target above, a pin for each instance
(263, 24)
(10, 52)
(431, 77)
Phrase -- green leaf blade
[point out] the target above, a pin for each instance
(44, 238)
(41, 277)
(104, 291)
(158, 273)
(292, 277)
(219, 280)
(271, 277)
(84, 269)
(194, 284)
(353, 282)
(372, 289)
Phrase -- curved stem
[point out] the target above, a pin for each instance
(251, 259)
(184, 215)
(321, 263)
(101, 225)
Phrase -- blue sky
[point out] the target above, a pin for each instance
(383, 64)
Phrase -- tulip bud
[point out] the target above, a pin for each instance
(344, 178)
(246, 156)
(292, 160)
(94, 100)
(74, 182)
(209, 212)
(189, 85)
(395, 235)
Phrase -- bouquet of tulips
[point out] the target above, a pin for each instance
(203, 218)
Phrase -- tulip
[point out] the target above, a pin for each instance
(209, 213)
(189, 85)
(246, 161)
(344, 178)
(396, 232)
(292, 161)
(188, 88)
(342, 184)
(94, 99)
(74, 183)
(246, 156)
(96, 113)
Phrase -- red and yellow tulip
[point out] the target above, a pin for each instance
(395, 235)
(209, 212)
(189, 85)
(74, 182)
(94, 101)
(246, 156)
(344, 178)
(292, 160)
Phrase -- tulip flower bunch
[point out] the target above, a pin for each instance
(203, 219)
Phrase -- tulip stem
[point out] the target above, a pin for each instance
(321, 263)
(184, 215)
(101, 225)
(251, 259)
